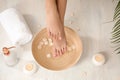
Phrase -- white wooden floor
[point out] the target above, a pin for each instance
(92, 17)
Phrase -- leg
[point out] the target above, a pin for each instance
(55, 27)
(61, 6)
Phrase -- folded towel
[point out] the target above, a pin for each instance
(16, 27)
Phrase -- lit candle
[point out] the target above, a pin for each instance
(98, 59)
(30, 68)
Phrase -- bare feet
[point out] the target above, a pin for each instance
(56, 32)
(55, 25)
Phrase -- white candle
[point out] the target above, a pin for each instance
(30, 68)
(10, 57)
(98, 59)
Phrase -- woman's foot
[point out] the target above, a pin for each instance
(56, 32)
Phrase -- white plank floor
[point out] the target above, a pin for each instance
(91, 16)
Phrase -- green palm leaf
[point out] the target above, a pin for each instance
(116, 25)
(117, 11)
(116, 29)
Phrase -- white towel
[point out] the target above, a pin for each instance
(16, 27)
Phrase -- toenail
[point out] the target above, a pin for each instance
(60, 38)
(54, 55)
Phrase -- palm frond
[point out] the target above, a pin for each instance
(116, 29)
(116, 25)
(115, 36)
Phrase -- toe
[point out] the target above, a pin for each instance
(62, 51)
(54, 52)
(48, 32)
(52, 35)
(59, 52)
(55, 36)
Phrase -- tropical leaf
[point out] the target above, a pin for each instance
(116, 29)
(117, 23)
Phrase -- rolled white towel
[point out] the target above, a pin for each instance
(15, 26)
